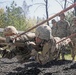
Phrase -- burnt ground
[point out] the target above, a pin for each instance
(12, 67)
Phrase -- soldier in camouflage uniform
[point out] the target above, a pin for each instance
(63, 27)
(19, 47)
(47, 49)
(44, 49)
(72, 31)
(62, 30)
(54, 28)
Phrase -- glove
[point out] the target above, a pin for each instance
(3, 52)
(32, 44)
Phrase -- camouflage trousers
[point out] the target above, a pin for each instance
(73, 50)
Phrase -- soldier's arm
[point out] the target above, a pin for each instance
(68, 28)
(7, 53)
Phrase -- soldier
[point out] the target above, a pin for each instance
(72, 31)
(62, 30)
(54, 28)
(19, 47)
(47, 49)
(44, 49)
(63, 27)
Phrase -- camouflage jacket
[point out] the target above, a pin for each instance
(54, 31)
(21, 48)
(72, 31)
(62, 29)
(48, 53)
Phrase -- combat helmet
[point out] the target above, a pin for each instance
(43, 32)
(10, 30)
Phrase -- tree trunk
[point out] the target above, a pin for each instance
(75, 8)
(46, 1)
(65, 4)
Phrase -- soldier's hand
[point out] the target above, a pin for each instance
(32, 44)
(2, 52)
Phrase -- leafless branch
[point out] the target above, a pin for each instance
(59, 3)
(4, 2)
(37, 8)
(70, 2)
(36, 4)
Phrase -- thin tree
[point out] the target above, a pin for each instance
(65, 4)
(39, 4)
(75, 8)
(46, 6)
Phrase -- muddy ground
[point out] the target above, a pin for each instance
(12, 67)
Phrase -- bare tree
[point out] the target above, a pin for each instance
(65, 4)
(46, 6)
(27, 7)
(3, 2)
(60, 3)
(75, 8)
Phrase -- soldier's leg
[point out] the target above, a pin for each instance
(72, 54)
(73, 51)
(63, 52)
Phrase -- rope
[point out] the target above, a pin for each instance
(73, 5)
(72, 35)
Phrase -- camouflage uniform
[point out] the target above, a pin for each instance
(54, 28)
(72, 31)
(63, 30)
(47, 49)
(20, 47)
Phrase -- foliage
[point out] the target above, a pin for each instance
(31, 22)
(1, 17)
(14, 15)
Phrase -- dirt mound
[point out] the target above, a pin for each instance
(12, 67)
